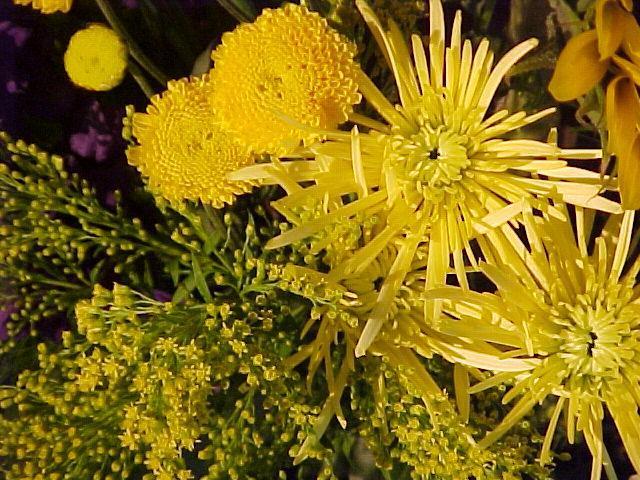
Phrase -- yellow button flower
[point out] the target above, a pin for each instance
(285, 69)
(183, 150)
(47, 6)
(96, 58)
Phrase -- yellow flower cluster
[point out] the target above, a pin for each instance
(613, 45)
(286, 71)
(96, 58)
(47, 6)
(286, 68)
(183, 150)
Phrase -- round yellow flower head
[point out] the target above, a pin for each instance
(183, 150)
(47, 6)
(285, 69)
(96, 58)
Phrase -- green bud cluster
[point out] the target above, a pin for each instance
(57, 240)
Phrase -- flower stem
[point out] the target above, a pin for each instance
(134, 49)
(138, 76)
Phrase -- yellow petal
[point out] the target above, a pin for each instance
(629, 177)
(623, 111)
(631, 40)
(623, 114)
(609, 17)
(627, 4)
(630, 69)
(579, 67)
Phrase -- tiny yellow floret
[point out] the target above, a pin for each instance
(47, 6)
(285, 69)
(182, 148)
(96, 58)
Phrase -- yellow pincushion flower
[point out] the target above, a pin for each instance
(96, 58)
(183, 150)
(47, 6)
(441, 171)
(288, 63)
(573, 313)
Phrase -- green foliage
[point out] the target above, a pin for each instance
(57, 241)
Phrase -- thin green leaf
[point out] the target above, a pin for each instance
(242, 10)
(201, 282)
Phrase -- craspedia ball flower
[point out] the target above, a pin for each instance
(288, 63)
(47, 6)
(96, 58)
(182, 149)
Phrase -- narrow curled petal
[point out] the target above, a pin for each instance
(580, 55)
(609, 17)
(623, 114)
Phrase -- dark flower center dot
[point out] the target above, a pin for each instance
(434, 154)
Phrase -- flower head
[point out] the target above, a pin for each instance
(575, 315)
(287, 63)
(438, 172)
(47, 6)
(96, 58)
(183, 150)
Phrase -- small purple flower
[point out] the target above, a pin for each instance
(100, 137)
(161, 296)
(18, 34)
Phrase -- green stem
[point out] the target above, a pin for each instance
(138, 76)
(135, 51)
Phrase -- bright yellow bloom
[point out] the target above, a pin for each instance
(592, 53)
(288, 63)
(575, 315)
(47, 6)
(96, 58)
(183, 150)
(439, 171)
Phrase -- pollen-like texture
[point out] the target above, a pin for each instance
(285, 69)
(47, 6)
(183, 150)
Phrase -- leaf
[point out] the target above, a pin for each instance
(201, 282)
(242, 10)
(174, 270)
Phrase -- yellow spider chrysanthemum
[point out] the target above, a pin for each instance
(287, 63)
(96, 58)
(438, 171)
(47, 6)
(576, 315)
(183, 150)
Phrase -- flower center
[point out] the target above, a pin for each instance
(427, 164)
(597, 341)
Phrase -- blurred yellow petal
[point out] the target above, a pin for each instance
(609, 18)
(631, 41)
(629, 176)
(627, 4)
(579, 67)
(623, 114)
(631, 70)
